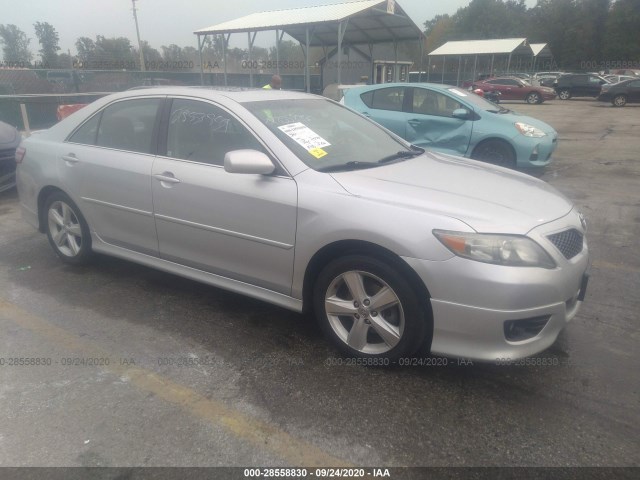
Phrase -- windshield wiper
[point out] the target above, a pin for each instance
(354, 165)
(403, 154)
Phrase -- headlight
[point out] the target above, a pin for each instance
(509, 250)
(529, 130)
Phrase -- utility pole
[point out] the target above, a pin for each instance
(135, 17)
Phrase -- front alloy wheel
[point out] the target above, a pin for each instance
(564, 94)
(66, 229)
(533, 98)
(367, 309)
(619, 101)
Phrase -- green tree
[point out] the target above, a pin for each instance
(15, 45)
(622, 38)
(48, 39)
(86, 49)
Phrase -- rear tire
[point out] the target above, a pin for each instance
(67, 230)
(367, 309)
(496, 152)
(564, 94)
(619, 100)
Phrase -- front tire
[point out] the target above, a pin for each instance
(533, 98)
(619, 100)
(495, 152)
(67, 230)
(564, 94)
(368, 309)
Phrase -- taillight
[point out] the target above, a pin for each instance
(20, 152)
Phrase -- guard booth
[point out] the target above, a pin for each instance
(387, 72)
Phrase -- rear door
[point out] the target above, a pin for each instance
(507, 87)
(431, 123)
(107, 163)
(387, 106)
(634, 91)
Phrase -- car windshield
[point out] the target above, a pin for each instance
(477, 101)
(329, 137)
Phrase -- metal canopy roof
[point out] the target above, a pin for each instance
(516, 46)
(368, 23)
(541, 50)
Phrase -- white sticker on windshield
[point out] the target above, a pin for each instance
(304, 136)
(460, 93)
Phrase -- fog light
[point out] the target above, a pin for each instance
(518, 330)
(534, 154)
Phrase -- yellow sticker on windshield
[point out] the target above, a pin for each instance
(317, 152)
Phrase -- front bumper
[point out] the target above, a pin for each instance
(473, 301)
(535, 152)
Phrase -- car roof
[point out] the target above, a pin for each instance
(237, 94)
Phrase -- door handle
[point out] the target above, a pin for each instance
(166, 177)
(70, 159)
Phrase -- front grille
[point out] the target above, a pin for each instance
(569, 242)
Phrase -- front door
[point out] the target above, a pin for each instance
(239, 226)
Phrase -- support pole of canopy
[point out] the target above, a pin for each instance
(421, 43)
(492, 57)
(251, 40)
(459, 65)
(277, 52)
(395, 60)
(225, 42)
(444, 63)
(509, 63)
(307, 74)
(342, 28)
(475, 66)
(201, 62)
(428, 67)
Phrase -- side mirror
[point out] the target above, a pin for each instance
(460, 113)
(248, 161)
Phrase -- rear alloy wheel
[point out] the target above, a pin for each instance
(533, 98)
(67, 229)
(368, 310)
(564, 94)
(619, 100)
(495, 152)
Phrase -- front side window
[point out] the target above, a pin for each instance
(202, 132)
(429, 102)
(385, 98)
(128, 125)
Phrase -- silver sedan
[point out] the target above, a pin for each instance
(296, 200)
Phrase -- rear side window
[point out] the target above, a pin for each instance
(128, 125)
(385, 99)
(634, 84)
(86, 134)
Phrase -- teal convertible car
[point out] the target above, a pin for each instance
(455, 121)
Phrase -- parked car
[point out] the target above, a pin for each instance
(455, 121)
(619, 78)
(579, 85)
(626, 71)
(9, 141)
(512, 88)
(545, 79)
(296, 200)
(619, 94)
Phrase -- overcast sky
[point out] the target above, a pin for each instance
(163, 22)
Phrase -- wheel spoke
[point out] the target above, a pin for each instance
(357, 338)
(389, 333)
(56, 217)
(73, 244)
(355, 285)
(66, 213)
(59, 237)
(385, 298)
(338, 306)
(75, 230)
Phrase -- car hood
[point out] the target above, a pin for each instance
(487, 198)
